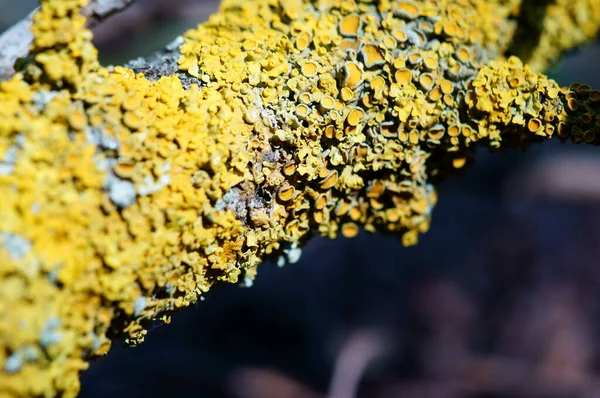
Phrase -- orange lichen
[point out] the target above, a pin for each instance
(350, 25)
(346, 94)
(403, 76)
(286, 193)
(355, 117)
(303, 41)
(371, 55)
(350, 230)
(406, 9)
(327, 103)
(353, 74)
(309, 68)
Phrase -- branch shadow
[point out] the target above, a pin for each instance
(529, 29)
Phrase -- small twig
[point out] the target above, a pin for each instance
(98, 11)
(358, 352)
(15, 42)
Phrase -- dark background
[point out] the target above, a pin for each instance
(500, 299)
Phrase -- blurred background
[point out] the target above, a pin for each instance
(500, 299)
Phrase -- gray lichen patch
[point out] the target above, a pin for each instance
(7, 163)
(16, 245)
(121, 192)
(164, 63)
(291, 255)
(42, 98)
(36, 208)
(50, 334)
(13, 363)
(9, 159)
(103, 141)
(16, 361)
(139, 305)
(152, 186)
(247, 282)
(235, 201)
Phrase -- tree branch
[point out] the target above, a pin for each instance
(97, 11)
(126, 196)
(16, 40)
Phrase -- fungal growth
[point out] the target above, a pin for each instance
(125, 197)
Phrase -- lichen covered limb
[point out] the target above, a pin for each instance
(353, 96)
(126, 198)
(15, 42)
(540, 31)
(512, 105)
(109, 216)
(547, 28)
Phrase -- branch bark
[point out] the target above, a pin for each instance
(14, 44)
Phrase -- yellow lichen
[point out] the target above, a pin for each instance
(350, 25)
(124, 198)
